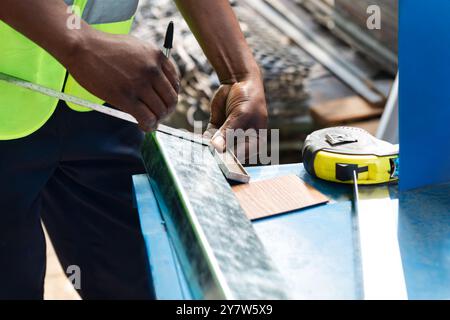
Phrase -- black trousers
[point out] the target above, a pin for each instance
(74, 174)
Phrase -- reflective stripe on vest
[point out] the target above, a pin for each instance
(109, 11)
(22, 112)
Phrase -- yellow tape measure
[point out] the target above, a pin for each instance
(334, 153)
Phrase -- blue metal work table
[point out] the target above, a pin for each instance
(313, 248)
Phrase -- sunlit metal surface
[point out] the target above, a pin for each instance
(381, 262)
(314, 249)
(220, 253)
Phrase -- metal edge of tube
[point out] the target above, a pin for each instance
(213, 270)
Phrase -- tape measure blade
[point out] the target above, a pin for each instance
(67, 98)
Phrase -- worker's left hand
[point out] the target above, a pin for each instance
(241, 105)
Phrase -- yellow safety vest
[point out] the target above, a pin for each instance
(22, 112)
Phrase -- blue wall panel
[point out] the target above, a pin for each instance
(424, 111)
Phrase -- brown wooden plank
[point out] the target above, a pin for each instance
(265, 198)
(370, 126)
(343, 110)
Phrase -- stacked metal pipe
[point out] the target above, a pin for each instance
(356, 11)
(347, 19)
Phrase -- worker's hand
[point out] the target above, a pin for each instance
(130, 74)
(241, 105)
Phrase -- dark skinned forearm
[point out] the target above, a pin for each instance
(239, 103)
(216, 28)
(45, 23)
(141, 80)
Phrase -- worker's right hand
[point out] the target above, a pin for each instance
(130, 74)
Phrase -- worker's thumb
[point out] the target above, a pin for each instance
(219, 139)
(210, 131)
(218, 121)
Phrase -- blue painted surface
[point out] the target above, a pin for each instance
(424, 110)
(168, 281)
(424, 237)
(313, 248)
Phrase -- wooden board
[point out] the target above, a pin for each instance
(265, 198)
(344, 110)
(371, 126)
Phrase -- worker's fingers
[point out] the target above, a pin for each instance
(147, 120)
(244, 143)
(166, 92)
(171, 73)
(245, 147)
(247, 151)
(218, 117)
(219, 139)
(154, 102)
(218, 106)
(210, 131)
